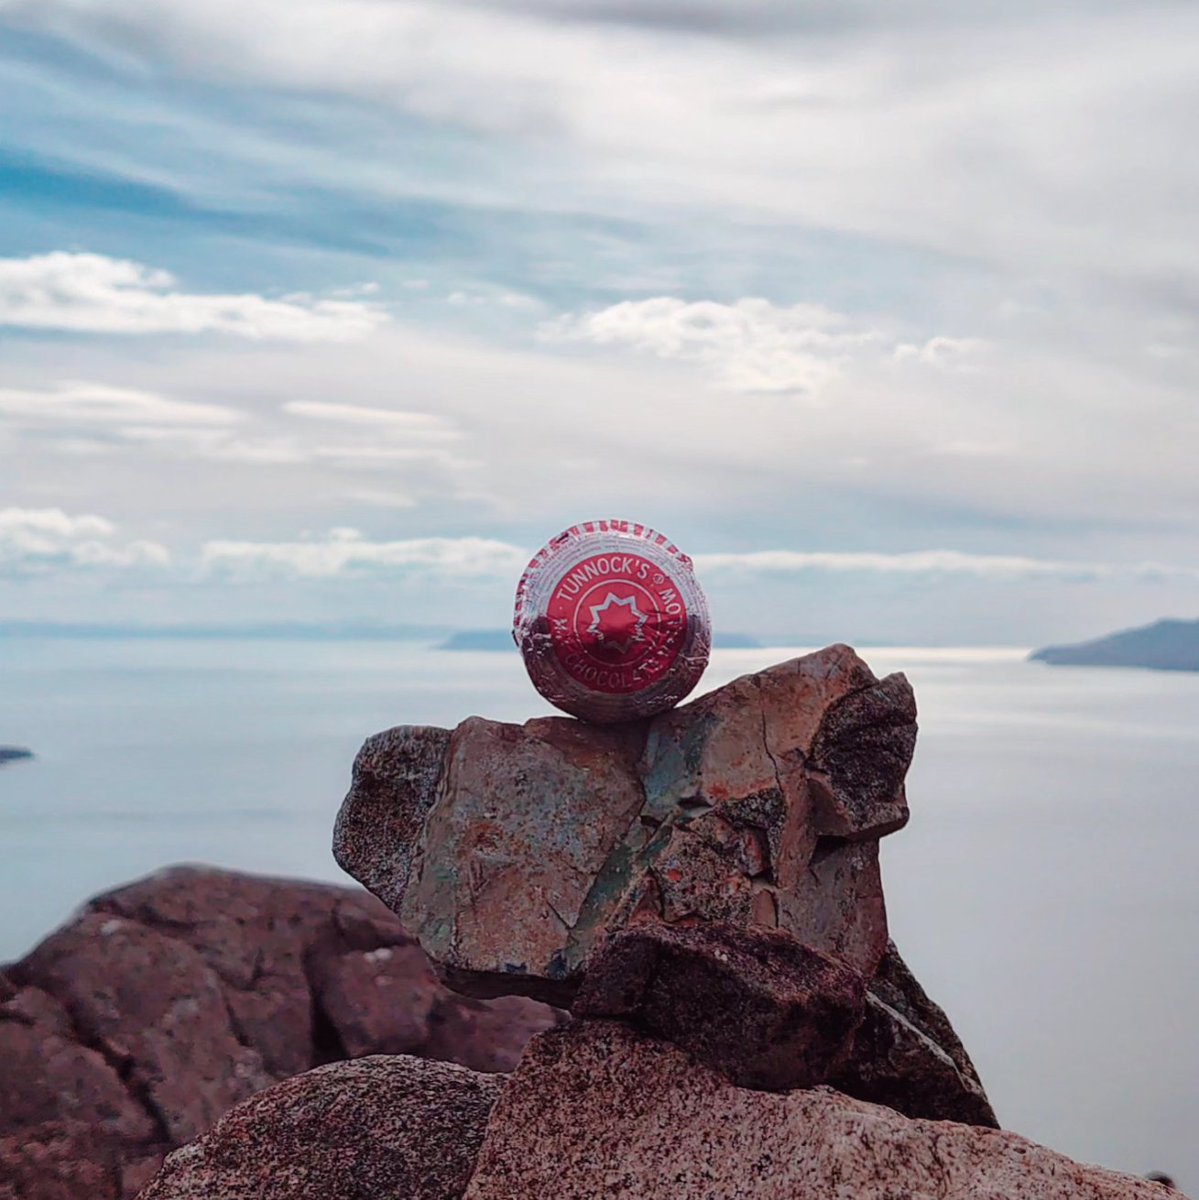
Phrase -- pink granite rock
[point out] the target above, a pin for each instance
(160, 1018)
(48, 1076)
(514, 855)
(59, 1160)
(383, 1128)
(163, 1003)
(597, 1109)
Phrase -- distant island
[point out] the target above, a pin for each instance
(13, 753)
(1164, 646)
(501, 639)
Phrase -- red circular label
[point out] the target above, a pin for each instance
(617, 622)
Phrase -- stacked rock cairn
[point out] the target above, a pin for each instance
(707, 879)
(701, 890)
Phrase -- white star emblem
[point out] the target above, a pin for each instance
(603, 625)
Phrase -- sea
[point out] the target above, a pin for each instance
(1045, 892)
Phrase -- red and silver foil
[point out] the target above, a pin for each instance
(611, 622)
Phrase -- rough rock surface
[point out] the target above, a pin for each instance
(164, 1003)
(906, 1055)
(59, 1160)
(752, 1003)
(513, 851)
(597, 1109)
(385, 1127)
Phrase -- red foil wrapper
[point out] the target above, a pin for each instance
(611, 622)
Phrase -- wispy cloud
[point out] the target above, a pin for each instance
(393, 420)
(345, 552)
(36, 541)
(84, 404)
(938, 562)
(752, 345)
(90, 293)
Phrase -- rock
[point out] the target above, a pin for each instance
(49, 1077)
(486, 1035)
(387, 1128)
(754, 1004)
(258, 937)
(906, 1055)
(513, 852)
(164, 1003)
(160, 1019)
(379, 1001)
(59, 1160)
(597, 1109)
(395, 778)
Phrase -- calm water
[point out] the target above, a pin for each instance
(1045, 892)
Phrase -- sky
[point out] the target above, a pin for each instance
(335, 310)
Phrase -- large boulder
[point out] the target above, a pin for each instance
(155, 1010)
(164, 1003)
(513, 852)
(385, 1127)
(597, 1109)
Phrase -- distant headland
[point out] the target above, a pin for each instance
(13, 753)
(501, 639)
(1168, 645)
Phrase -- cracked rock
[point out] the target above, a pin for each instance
(513, 852)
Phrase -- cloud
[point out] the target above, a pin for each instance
(89, 293)
(379, 498)
(1034, 135)
(36, 541)
(938, 562)
(941, 351)
(1005, 172)
(346, 552)
(288, 449)
(95, 418)
(219, 445)
(752, 344)
(417, 423)
(88, 404)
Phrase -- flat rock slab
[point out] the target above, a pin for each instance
(597, 1109)
(754, 1004)
(385, 1127)
(513, 851)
